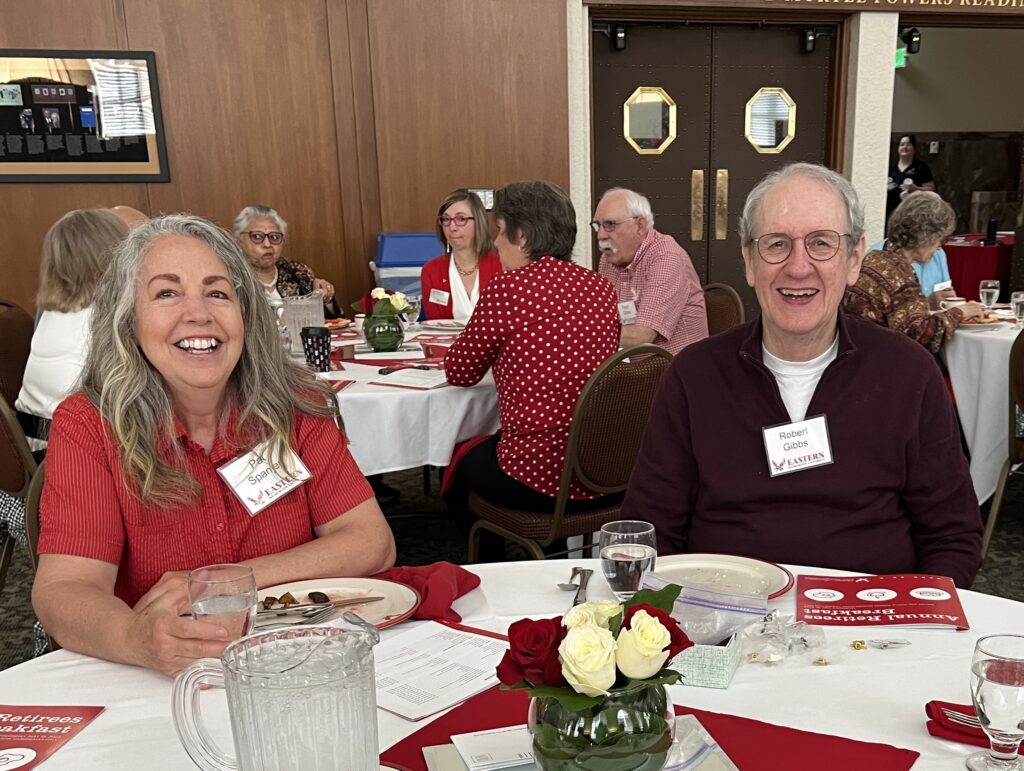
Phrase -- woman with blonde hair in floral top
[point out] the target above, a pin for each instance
(888, 292)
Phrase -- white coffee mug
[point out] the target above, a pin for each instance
(951, 302)
(357, 322)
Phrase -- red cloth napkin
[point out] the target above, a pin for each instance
(439, 585)
(749, 743)
(941, 726)
(457, 455)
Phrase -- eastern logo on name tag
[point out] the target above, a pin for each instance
(439, 296)
(798, 446)
(258, 481)
(627, 312)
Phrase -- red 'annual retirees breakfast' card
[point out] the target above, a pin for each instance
(29, 735)
(907, 600)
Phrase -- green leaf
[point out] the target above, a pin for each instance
(567, 697)
(663, 599)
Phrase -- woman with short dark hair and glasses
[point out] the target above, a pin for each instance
(888, 292)
(261, 231)
(452, 283)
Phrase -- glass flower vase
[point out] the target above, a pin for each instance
(629, 730)
(383, 333)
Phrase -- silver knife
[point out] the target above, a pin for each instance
(293, 609)
(581, 593)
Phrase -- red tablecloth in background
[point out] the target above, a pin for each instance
(970, 262)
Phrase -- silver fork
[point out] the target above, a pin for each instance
(962, 718)
(316, 618)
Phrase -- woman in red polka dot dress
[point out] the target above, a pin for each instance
(544, 325)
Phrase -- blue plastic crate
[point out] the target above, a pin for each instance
(401, 257)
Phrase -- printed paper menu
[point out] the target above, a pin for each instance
(433, 667)
(29, 735)
(905, 600)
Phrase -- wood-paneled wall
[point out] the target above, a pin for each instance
(351, 117)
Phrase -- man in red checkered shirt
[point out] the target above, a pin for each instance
(659, 295)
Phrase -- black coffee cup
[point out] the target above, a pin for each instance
(316, 344)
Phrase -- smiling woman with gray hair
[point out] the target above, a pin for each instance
(185, 375)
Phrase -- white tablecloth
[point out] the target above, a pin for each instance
(390, 429)
(870, 695)
(979, 368)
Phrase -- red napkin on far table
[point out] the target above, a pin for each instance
(439, 585)
(941, 726)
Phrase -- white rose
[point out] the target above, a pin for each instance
(378, 294)
(598, 613)
(588, 659)
(398, 301)
(640, 650)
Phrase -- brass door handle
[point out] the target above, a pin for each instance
(721, 204)
(697, 205)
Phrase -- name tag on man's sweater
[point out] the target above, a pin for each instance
(797, 446)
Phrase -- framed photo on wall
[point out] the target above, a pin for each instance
(80, 116)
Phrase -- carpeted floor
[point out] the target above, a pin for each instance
(424, 535)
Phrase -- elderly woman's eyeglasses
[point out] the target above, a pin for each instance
(459, 220)
(257, 236)
(821, 245)
(610, 225)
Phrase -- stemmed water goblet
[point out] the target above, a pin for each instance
(412, 313)
(988, 293)
(628, 551)
(997, 689)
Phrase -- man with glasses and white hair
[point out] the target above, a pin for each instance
(808, 436)
(659, 295)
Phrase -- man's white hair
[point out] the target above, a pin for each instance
(636, 204)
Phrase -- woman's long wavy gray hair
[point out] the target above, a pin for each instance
(266, 388)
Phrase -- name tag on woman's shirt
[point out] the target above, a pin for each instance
(258, 482)
(439, 296)
(797, 446)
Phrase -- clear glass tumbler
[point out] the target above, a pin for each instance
(997, 689)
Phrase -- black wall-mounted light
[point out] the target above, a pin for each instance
(620, 37)
(911, 36)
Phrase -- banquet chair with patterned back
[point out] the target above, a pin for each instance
(724, 307)
(1015, 442)
(15, 342)
(607, 428)
(17, 466)
(35, 492)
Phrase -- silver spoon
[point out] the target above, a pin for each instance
(571, 587)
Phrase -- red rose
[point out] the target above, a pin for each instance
(532, 653)
(678, 641)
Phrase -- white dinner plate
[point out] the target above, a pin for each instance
(450, 325)
(726, 571)
(983, 326)
(400, 601)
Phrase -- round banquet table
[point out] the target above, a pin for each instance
(978, 360)
(870, 695)
(390, 429)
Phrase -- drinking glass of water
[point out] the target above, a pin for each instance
(628, 552)
(224, 595)
(1017, 305)
(412, 315)
(997, 689)
(988, 292)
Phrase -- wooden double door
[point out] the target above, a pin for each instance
(698, 184)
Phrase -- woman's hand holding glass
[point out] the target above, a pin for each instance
(164, 636)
